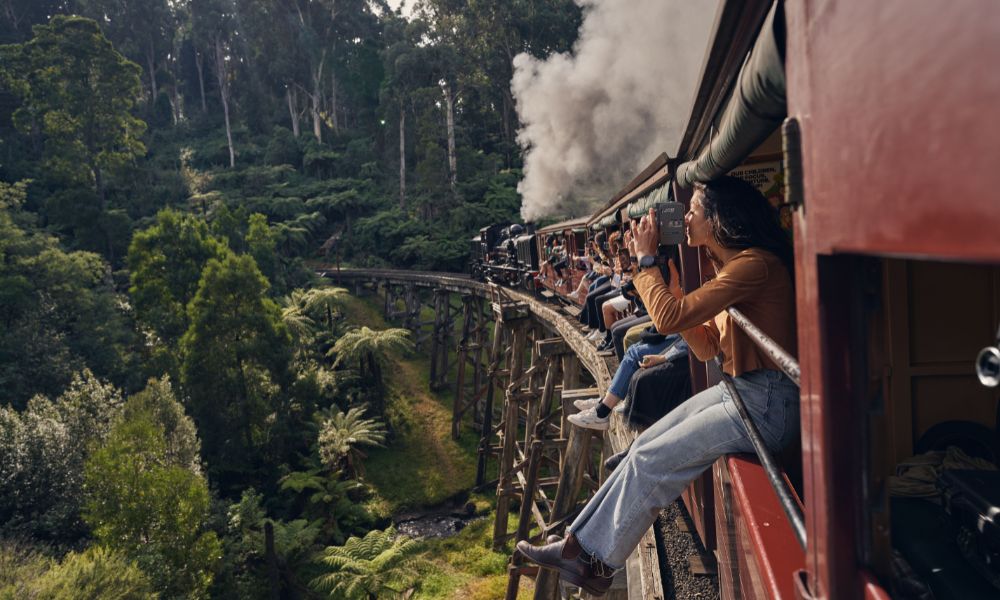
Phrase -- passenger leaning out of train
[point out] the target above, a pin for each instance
(597, 275)
(739, 229)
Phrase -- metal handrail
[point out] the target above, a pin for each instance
(782, 358)
(774, 474)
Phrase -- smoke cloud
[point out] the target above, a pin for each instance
(593, 118)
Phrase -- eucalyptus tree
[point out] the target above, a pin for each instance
(143, 30)
(213, 28)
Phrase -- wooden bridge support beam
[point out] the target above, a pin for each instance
(573, 463)
(444, 319)
(494, 379)
(471, 350)
(542, 444)
(511, 414)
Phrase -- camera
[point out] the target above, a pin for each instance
(670, 219)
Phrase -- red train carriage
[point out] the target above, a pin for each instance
(563, 248)
(889, 160)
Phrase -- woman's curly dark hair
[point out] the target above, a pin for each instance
(741, 217)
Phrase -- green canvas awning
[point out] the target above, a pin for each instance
(657, 195)
(755, 107)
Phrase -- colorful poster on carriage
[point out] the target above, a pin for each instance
(768, 176)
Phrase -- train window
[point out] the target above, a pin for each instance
(930, 452)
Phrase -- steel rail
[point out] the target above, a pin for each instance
(774, 473)
(775, 352)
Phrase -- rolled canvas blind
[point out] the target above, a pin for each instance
(755, 107)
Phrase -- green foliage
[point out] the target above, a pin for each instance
(94, 574)
(150, 508)
(158, 402)
(326, 501)
(283, 148)
(367, 351)
(21, 565)
(86, 122)
(262, 246)
(342, 434)
(235, 366)
(165, 265)
(59, 312)
(42, 455)
(244, 574)
(379, 565)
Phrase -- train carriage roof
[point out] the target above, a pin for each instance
(563, 225)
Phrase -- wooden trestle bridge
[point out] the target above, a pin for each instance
(534, 355)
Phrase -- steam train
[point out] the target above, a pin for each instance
(505, 253)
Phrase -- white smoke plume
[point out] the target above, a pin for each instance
(593, 118)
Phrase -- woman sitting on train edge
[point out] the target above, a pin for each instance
(740, 230)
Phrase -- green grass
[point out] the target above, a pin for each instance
(465, 566)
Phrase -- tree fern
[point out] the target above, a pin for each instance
(295, 316)
(341, 435)
(357, 344)
(379, 565)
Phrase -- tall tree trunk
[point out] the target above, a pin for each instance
(334, 122)
(199, 63)
(402, 156)
(220, 70)
(151, 65)
(317, 99)
(292, 96)
(449, 102)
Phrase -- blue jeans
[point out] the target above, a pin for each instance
(673, 452)
(598, 283)
(630, 363)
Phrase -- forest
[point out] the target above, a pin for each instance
(186, 409)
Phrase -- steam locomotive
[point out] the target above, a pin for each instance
(507, 254)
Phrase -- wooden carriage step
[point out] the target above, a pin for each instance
(572, 310)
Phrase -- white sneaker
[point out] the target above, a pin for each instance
(586, 403)
(595, 334)
(588, 419)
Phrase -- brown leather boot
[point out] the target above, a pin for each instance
(574, 565)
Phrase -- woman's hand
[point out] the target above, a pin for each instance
(675, 281)
(651, 360)
(646, 235)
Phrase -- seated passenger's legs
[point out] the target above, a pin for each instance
(673, 452)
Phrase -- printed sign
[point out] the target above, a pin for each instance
(769, 178)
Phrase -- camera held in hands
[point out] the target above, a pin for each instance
(670, 219)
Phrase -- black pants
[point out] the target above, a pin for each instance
(599, 303)
(655, 391)
(589, 309)
(621, 327)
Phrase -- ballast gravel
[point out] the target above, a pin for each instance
(678, 546)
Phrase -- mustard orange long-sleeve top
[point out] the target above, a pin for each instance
(754, 281)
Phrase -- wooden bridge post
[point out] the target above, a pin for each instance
(411, 314)
(573, 461)
(480, 366)
(439, 338)
(388, 300)
(515, 315)
(505, 488)
(493, 379)
(471, 339)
